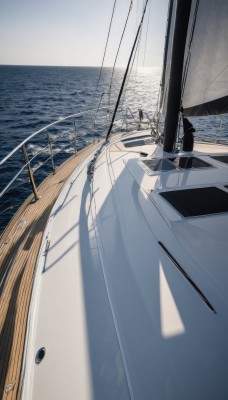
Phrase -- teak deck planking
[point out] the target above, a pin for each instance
(19, 248)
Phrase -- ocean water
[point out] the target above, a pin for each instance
(33, 97)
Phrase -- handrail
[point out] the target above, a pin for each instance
(67, 131)
(42, 130)
(48, 148)
(12, 180)
(47, 127)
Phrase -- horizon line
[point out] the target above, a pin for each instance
(70, 66)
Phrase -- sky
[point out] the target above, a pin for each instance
(74, 32)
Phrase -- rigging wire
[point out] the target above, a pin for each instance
(146, 35)
(113, 69)
(126, 71)
(136, 53)
(136, 56)
(137, 62)
(129, 75)
(110, 25)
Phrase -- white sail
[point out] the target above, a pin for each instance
(205, 66)
(206, 86)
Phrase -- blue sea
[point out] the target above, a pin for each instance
(32, 97)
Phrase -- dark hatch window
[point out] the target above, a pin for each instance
(138, 142)
(134, 143)
(189, 162)
(223, 158)
(196, 202)
(159, 165)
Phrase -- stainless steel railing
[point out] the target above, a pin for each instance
(21, 170)
(25, 167)
(48, 148)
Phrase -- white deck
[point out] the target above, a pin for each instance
(117, 318)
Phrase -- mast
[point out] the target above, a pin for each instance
(183, 9)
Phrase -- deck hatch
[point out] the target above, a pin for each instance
(222, 158)
(198, 201)
(138, 142)
(189, 162)
(158, 164)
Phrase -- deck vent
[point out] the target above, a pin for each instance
(223, 158)
(40, 355)
(198, 202)
(189, 162)
(157, 164)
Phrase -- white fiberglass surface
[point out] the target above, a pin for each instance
(71, 315)
(169, 336)
(171, 321)
(117, 317)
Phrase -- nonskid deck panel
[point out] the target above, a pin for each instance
(19, 248)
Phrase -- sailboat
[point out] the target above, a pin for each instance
(115, 278)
